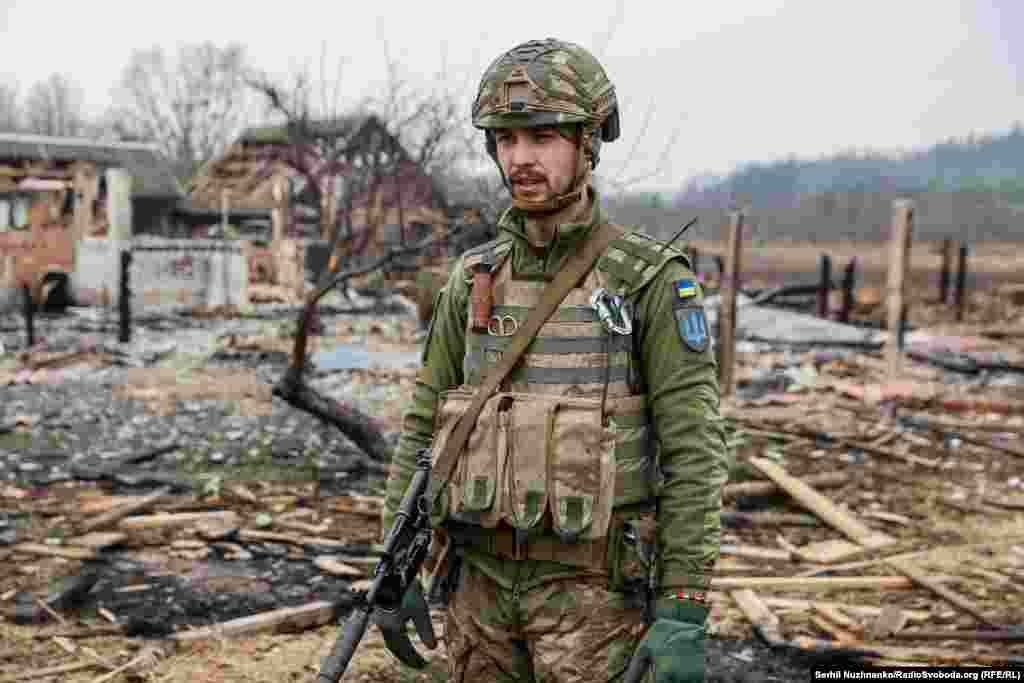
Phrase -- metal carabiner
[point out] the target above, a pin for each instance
(496, 325)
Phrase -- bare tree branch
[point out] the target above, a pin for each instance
(10, 108)
(192, 104)
(55, 107)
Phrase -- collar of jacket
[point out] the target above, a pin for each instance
(567, 235)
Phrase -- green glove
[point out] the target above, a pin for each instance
(673, 645)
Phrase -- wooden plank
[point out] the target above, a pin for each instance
(55, 551)
(754, 609)
(819, 583)
(831, 551)
(769, 488)
(335, 567)
(46, 672)
(118, 513)
(922, 579)
(836, 616)
(253, 535)
(97, 540)
(822, 506)
(143, 522)
(757, 553)
(305, 616)
(862, 564)
(862, 611)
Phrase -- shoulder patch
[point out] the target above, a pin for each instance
(686, 288)
(692, 326)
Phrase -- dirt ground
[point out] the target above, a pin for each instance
(930, 467)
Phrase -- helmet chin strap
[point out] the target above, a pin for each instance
(575, 192)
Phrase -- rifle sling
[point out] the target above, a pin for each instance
(578, 265)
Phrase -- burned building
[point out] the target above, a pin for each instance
(347, 179)
(55, 192)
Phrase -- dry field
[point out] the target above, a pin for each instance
(777, 262)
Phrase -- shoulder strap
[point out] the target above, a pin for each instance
(578, 265)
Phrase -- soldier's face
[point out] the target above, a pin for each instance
(538, 162)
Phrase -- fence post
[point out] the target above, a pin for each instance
(961, 283)
(899, 258)
(825, 286)
(849, 278)
(727, 311)
(125, 298)
(944, 273)
(29, 311)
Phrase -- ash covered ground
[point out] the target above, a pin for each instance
(186, 405)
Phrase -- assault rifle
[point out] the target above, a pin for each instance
(405, 548)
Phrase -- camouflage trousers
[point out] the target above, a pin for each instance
(568, 630)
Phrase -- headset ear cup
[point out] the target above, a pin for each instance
(491, 146)
(610, 128)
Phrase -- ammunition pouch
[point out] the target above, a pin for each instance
(532, 457)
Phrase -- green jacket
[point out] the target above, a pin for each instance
(682, 390)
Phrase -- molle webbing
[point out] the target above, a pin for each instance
(635, 258)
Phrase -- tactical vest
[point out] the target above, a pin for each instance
(568, 431)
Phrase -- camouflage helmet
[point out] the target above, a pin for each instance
(547, 83)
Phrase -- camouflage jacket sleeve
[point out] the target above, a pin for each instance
(441, 370)
(683, 399)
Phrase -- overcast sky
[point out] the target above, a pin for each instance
(790, 77)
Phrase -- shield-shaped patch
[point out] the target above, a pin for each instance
(692, 326)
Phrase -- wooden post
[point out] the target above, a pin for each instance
(85, 188)
(947, 264)
(961, 283)
(825, 286)
(29, 310)
(125, 299)
(727, 311)
(849, 278)
(899, 260)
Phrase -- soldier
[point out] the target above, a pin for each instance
(586, 502)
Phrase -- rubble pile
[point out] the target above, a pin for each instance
(156, 498)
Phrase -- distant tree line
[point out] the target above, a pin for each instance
(970, 189)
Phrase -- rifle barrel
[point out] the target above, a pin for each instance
(334, 664)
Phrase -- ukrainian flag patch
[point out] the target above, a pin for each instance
(686, 288)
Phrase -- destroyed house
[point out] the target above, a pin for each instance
(54, 193)
(37, 169)
(348, 175)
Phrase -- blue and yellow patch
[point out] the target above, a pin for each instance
(686, 288)
(692, 325)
